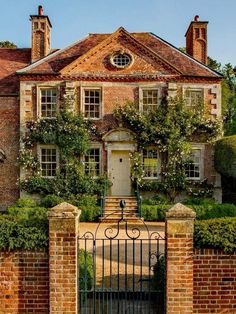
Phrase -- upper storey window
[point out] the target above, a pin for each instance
(48, 102)
(193, 97)
(121, 60)
(92, 103)
(149, 100)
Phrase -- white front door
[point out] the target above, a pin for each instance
(120, 173)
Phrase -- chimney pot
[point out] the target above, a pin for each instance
(196, 18)
(40, 10)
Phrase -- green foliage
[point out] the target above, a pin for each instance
(216, 233)
(155, 200)
(225, 156)
(159, 276)
(204, 208)
(7, 44)
(67, 131)
(154, 212)
(170, 128)
(201, 189)
(24, 226)
(90, 211)
(85, 270)
(71, 134)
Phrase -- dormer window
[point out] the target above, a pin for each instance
(121, 60)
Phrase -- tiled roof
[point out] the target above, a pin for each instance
(12, 60)
(184, 63)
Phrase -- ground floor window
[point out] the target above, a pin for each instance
(92, 162)
(193, 169)
(151, 163)
(48, 161)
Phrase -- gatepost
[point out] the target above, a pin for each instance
(179, 259)
(63, 259)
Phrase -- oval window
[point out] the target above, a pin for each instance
(121, 60)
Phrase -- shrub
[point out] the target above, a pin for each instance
(156, 200)
(20, 234)
(225, 156)
(159, 276)
(89, 213)
(85, 270)
(154, 212)
(50, 201)
(216, 233)
(214, 211)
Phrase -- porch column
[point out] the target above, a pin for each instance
(179, 259)
(63, 231)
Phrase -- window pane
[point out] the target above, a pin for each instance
(150, 100)
(92, 103)
(92, 162)
(48, 162)
(48, 102)
(151, 163)
(192, 170)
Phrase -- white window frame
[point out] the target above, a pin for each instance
(96, 146)
(148, 88)
(39, 150)
(158, 159)
(39, 105)
(90, 88)
(193, 89)
(201, 148)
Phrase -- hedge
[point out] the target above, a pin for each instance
(225, 156)
(216, 233)
(207, 211)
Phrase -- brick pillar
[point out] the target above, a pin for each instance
(63, 230)
(179, 252)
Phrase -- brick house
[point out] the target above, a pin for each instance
(101, 71)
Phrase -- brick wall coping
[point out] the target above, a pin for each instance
(179, 211)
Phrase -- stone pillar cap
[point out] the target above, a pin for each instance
(64, 210)
(180, 211)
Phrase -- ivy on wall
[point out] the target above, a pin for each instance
(71, 134)
(170, 129)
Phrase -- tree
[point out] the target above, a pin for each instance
(7, 44)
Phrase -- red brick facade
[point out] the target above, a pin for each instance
(214, 282)
(24, 282)
(155, 64)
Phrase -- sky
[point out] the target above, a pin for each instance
(169, 19)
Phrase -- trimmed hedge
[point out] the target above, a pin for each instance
(225, 156)
(206, 211)
(19, 234)
(216, 233)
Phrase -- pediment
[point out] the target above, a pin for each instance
(98, 60)
(119, 135)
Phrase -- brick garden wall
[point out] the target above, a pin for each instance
(24, 282)
(214, 282)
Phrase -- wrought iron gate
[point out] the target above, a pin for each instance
(119, 268)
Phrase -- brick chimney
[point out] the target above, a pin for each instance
(196, 40)
(41, 35)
